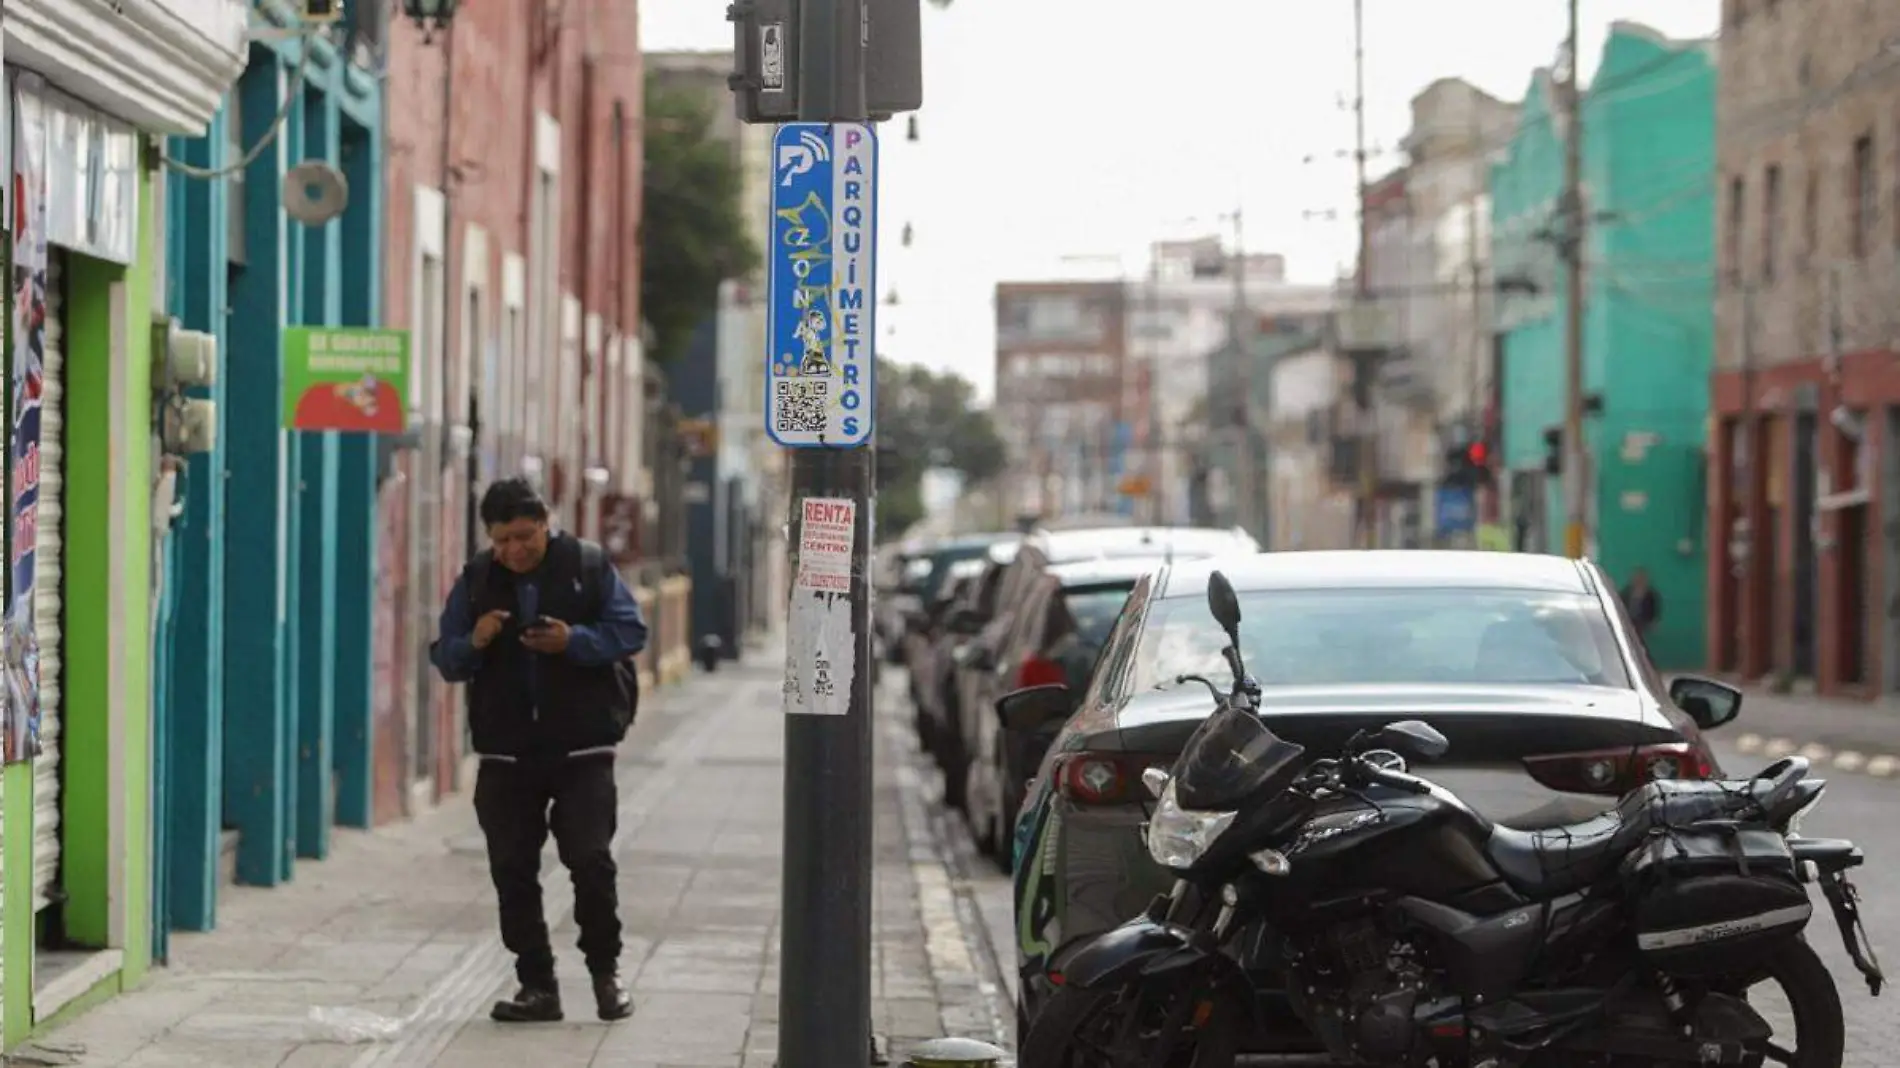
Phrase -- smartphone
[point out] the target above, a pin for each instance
(540, 623)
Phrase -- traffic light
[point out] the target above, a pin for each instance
(1468, 464)
(1554, 451)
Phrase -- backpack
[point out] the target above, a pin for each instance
(593, 562)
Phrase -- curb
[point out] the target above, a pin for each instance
(1879, 765)
(972, 997)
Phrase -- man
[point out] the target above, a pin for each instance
(1643, 603)
(544, 641)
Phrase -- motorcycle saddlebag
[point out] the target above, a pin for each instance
(1709, 899)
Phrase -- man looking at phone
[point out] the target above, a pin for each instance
(545, 642)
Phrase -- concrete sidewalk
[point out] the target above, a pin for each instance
(387, 953)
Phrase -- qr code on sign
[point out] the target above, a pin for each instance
(801, 406)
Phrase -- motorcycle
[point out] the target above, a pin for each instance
(1407, 931)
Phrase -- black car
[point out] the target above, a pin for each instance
(1058, 631)
(986, 669)
(1528, 661)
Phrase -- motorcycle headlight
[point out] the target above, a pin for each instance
(1178, 838)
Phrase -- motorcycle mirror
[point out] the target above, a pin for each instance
(1420, 737)
(1224, 604)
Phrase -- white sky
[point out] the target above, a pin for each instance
(1060, 136)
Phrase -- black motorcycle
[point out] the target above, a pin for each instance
(1407, 931)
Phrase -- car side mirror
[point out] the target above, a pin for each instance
(1029, 710)
(1423, 739)
(1710, 703)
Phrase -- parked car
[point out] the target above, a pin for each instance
(929, 659)
(968, 599)
(924, 577)
(987, 667)
(1059, 628)
(1529, 661)
(893, 604)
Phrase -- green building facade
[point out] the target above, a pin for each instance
(1649, 320)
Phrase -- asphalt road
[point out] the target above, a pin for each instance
(1867, 810)
(1856, 806)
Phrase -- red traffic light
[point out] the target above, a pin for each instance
(1477, 453)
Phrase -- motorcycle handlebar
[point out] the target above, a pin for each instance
(1356, 772)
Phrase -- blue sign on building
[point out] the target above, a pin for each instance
(822, 299)
(1456, 511)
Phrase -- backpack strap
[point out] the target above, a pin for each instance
(593, 564)
(475, 574)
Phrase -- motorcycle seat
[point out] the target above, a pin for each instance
(1553, 861)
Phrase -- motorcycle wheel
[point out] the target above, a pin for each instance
(1820, 1038)
(1083, 1029)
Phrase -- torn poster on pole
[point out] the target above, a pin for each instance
(820, 650)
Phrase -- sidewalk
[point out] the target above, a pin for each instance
(387, 953)
(1849, 735)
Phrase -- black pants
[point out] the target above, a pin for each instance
(518, 804)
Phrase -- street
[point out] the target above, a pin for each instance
(1859, 807)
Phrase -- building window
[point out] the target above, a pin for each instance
(1863, 193)
(1770, 221)
(1737, 203)
(1811, 218)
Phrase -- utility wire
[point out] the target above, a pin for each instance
(292, 93)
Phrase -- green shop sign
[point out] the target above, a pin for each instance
(349, 378)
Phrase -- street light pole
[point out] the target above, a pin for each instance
(1575, 492)
(1365, 364)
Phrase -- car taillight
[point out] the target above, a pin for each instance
(1039, 672)
(1615, 772)
(1103, 778)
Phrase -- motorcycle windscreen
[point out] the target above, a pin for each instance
(1231, 758)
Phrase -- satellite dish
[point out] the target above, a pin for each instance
(315, 193)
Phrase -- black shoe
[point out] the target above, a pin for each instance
(531, 1005)
(611, 998)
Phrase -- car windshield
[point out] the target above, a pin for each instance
(1315, 637)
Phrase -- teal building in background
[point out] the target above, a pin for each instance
(1649, 156)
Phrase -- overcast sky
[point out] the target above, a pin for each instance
(1059, 136)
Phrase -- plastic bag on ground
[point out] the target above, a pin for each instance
(352, 1027)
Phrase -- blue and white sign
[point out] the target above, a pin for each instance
(822, 301)
(1457, 511)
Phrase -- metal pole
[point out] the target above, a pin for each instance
(1247, 508)
(825, 934)
(1365, 364)
(1156, 441)
(1575, 477)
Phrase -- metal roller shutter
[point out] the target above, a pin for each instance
(47, 583)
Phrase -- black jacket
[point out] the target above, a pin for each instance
(524, 703)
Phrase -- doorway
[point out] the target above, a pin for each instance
(1852, 547)
(1890, 540)
(1731, 584)
(1806, 433)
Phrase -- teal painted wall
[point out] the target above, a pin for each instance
(1649, 161)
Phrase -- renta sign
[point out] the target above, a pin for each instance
(161, 65)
